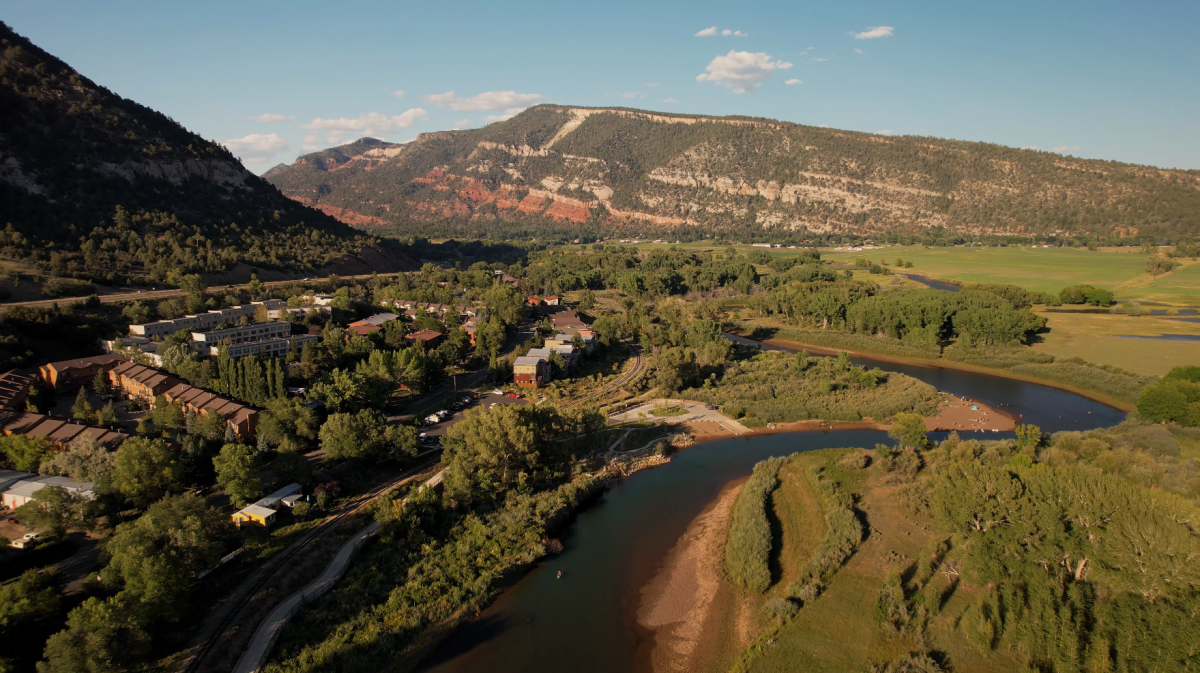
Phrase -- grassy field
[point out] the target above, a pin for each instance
(1094, 337)
(1041, 269)
(1122, 270)
(837, 631)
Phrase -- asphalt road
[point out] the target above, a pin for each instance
(133, 295)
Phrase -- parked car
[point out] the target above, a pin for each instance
(432, 419)
(513, 395)
(12, 520)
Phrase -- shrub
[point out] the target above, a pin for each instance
(748, 548)
(780, 608)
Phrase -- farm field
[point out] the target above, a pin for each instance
(1041, 269)
(1095, 338)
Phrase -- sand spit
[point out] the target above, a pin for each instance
(678, 602)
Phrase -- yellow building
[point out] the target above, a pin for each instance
(254, 513)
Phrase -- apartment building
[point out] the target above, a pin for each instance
(206, 342)
(207, 320)
(69, 375)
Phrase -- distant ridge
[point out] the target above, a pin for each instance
(573, 169)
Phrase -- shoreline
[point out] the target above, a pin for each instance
(790, 345)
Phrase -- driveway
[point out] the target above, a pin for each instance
(694, 412)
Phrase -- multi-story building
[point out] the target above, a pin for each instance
(531, 372)
(58, 430)
(136, 380)
(14, 389)
(206, 343)
(242, 418)
(73, 374)
(271, 348)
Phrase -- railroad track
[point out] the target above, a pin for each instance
(638, 363)
(264, 574)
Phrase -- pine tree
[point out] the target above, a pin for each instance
(280, 381)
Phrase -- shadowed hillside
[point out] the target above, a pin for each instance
(96, 186)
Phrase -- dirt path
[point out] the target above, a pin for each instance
(679, 601)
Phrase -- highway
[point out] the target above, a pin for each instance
(144, 295)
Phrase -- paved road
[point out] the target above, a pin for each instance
(132, 295)
(696, 411)
(272, 627)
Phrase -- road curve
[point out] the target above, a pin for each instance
(269, 631)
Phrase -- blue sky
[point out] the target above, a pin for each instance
(1094, 79)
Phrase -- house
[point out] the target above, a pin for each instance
(141, 344)
(323, 299)
(23, 491)
(254, 514)
(551, 300)
(360, 328)
(470, 328)
(73, 374)
(14, 389)
(372, 324)
(136, 380)
(566, 320)
(273, 500)
(531, 372)
(431, 338)
(533, 300)
(567, 352)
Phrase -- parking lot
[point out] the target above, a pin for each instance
(485, 401)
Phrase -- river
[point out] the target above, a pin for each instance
(584, 622)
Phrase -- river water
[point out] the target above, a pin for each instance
(584, 622)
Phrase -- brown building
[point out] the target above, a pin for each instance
(73, 374)
(14, 389)
(136, 380)
(58, 430)
(244, 419)
(432, 338)
(531, 372)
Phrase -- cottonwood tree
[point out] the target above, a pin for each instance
(237, 473)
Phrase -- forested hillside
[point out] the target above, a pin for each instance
(579, 172)
(97, 186)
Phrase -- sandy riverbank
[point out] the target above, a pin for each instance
(677, 604)
(954, 413)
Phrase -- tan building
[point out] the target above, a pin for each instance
(136, 380)
(74, 374)
(531, 372)
(206, 343)
(58, 430)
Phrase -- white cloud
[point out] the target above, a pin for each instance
(261, 146)
(859, 51)
(874, 32)
(669, 100)
(793, 82)
(1064, 148)
(823, 59)
(462, 122)
(712, 32)
(741, 71)
(488, 100)
(631, 94)
(885, 132)
(824, 126)
(398, 94)
(371, 124)
(268, 117)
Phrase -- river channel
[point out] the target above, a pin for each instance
(584, 622)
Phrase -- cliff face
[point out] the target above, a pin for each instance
(617, 169)
(97, 186)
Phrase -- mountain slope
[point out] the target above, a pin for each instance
(97, 186)
(555, 168)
